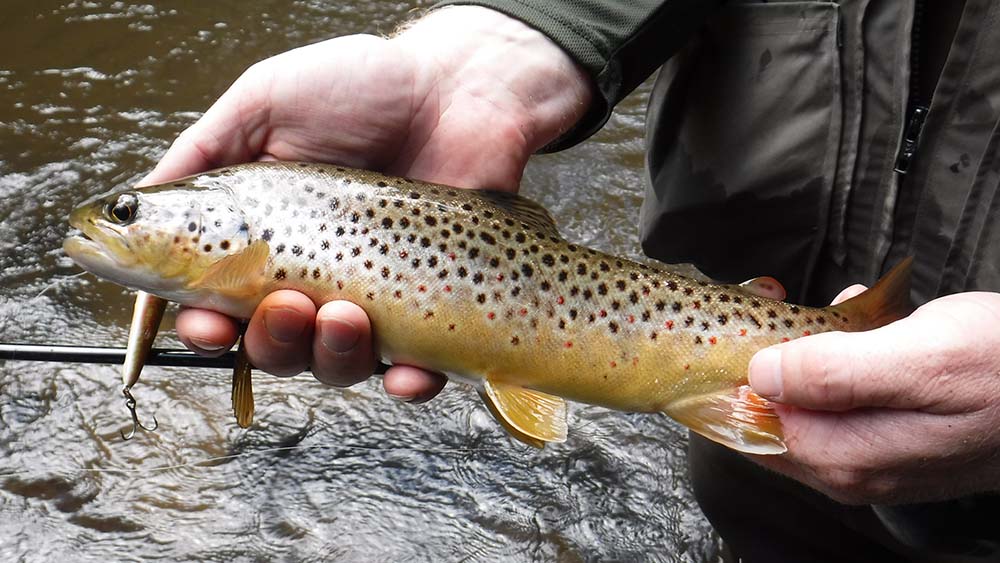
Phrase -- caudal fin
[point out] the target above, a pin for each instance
(887, 301)
(737, 418)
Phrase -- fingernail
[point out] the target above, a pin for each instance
(765, 373)
(284, 324)
(338, 336)
(402, 398)
(205, 344)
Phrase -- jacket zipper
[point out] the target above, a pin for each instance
(917, 106)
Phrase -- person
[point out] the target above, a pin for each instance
(785, 139)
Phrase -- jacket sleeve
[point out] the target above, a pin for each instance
(619, 43)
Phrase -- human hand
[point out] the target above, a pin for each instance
(904, 413)
(440, 102)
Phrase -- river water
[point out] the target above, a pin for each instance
(91, 94)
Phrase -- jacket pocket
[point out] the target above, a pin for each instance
(743, 133)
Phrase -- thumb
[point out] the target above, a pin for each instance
(837, 371)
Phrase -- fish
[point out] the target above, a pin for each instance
(478, 285)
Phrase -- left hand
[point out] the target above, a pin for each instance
(904, 413)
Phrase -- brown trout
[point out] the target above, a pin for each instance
(477, 285)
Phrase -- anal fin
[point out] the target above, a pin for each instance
(242, 388)
(737, 418)
(530, 416)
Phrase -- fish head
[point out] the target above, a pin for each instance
(159, 239)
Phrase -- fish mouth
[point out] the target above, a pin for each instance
(98, 250)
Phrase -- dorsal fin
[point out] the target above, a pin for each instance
(530, 416)
(522, 209)
(239, 274)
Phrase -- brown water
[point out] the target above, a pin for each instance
(91, 94)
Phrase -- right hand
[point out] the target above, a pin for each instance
(462, 97)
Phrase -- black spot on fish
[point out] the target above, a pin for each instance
(604, 266)
(267, 234)
(794, 309)
(772, 326)
(404, 222)
(280, 274)
(385, 273)
(432, 262)
(602, 289)
(473, 253)
(548, 260)
(676, 306)
(334, 204)
(224, 245)
(613, 326)
(771, 314)
(316, 274)
(381, 184)
(587, 294)
(462, 271)
(633, 298)
(788, 323)
(387, 222)
(192, 227)
(563, 275)
(620, 284)
(340, 231)
(821, 320)
(207, 248)
(425, 242)
(481, 298)
(280, 248)
(494, 262)
(546, 286)
(356, 251)
(339, 256)
(312, 255)
(660, 305)
(443, 274)
(487, 238)
(477, 278)
(430, 220)
(616, 305)
(737, 299)
(564, 259)
(369, 213)
(297, 250)
(688, 321)
(573, 313)
(325, 245)
(415, 262)
(527, 270)
(581, 268)
(516, 291)
(520, 238)
(697, 340)
(646, 315)
(672, 285)
(722, 319)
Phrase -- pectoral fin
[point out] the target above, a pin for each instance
(530, 416)
(737, 418)
(242, 388)
(238, 274)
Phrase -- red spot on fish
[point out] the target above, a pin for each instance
(447, 288)
(491, 315)
(687, 367)
(806, 333)
(603, 313)
(743, 332)
(635, 361)
(614, 365)
(568, 344)
(697, 304)
(398, 294)
(786, 339)
(340, 284)
(560, 300)
(499, 277)
(428, 315)
(712, 340)
(421, 288)
(451, 255)
(669, 325)
(645, 290)
(451, 327)
(631, 318)
(523, 312)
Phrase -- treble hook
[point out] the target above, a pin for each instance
(130, 405)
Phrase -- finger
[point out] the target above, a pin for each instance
(849, 292)
(206, 332)
(838, 371)
(233, 130)
(342, 348)
(279, 336)
(412, 385)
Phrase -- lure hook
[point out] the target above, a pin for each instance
(130, 405)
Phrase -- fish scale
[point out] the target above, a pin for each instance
(481, 286)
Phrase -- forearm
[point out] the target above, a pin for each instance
(481, 53)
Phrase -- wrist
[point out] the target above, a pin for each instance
(522, 74)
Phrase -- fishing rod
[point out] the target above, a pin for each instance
(109, 355)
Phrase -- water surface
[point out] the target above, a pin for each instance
(91, 94)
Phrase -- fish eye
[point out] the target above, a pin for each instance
(123, 210)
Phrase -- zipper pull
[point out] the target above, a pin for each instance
(911, 138)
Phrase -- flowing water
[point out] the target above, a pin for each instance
(91, 94)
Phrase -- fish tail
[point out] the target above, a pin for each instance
(887, 301)
(737, 418)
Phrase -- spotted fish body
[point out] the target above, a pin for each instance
(474, 284)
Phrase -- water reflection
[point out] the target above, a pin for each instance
(92, 93)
